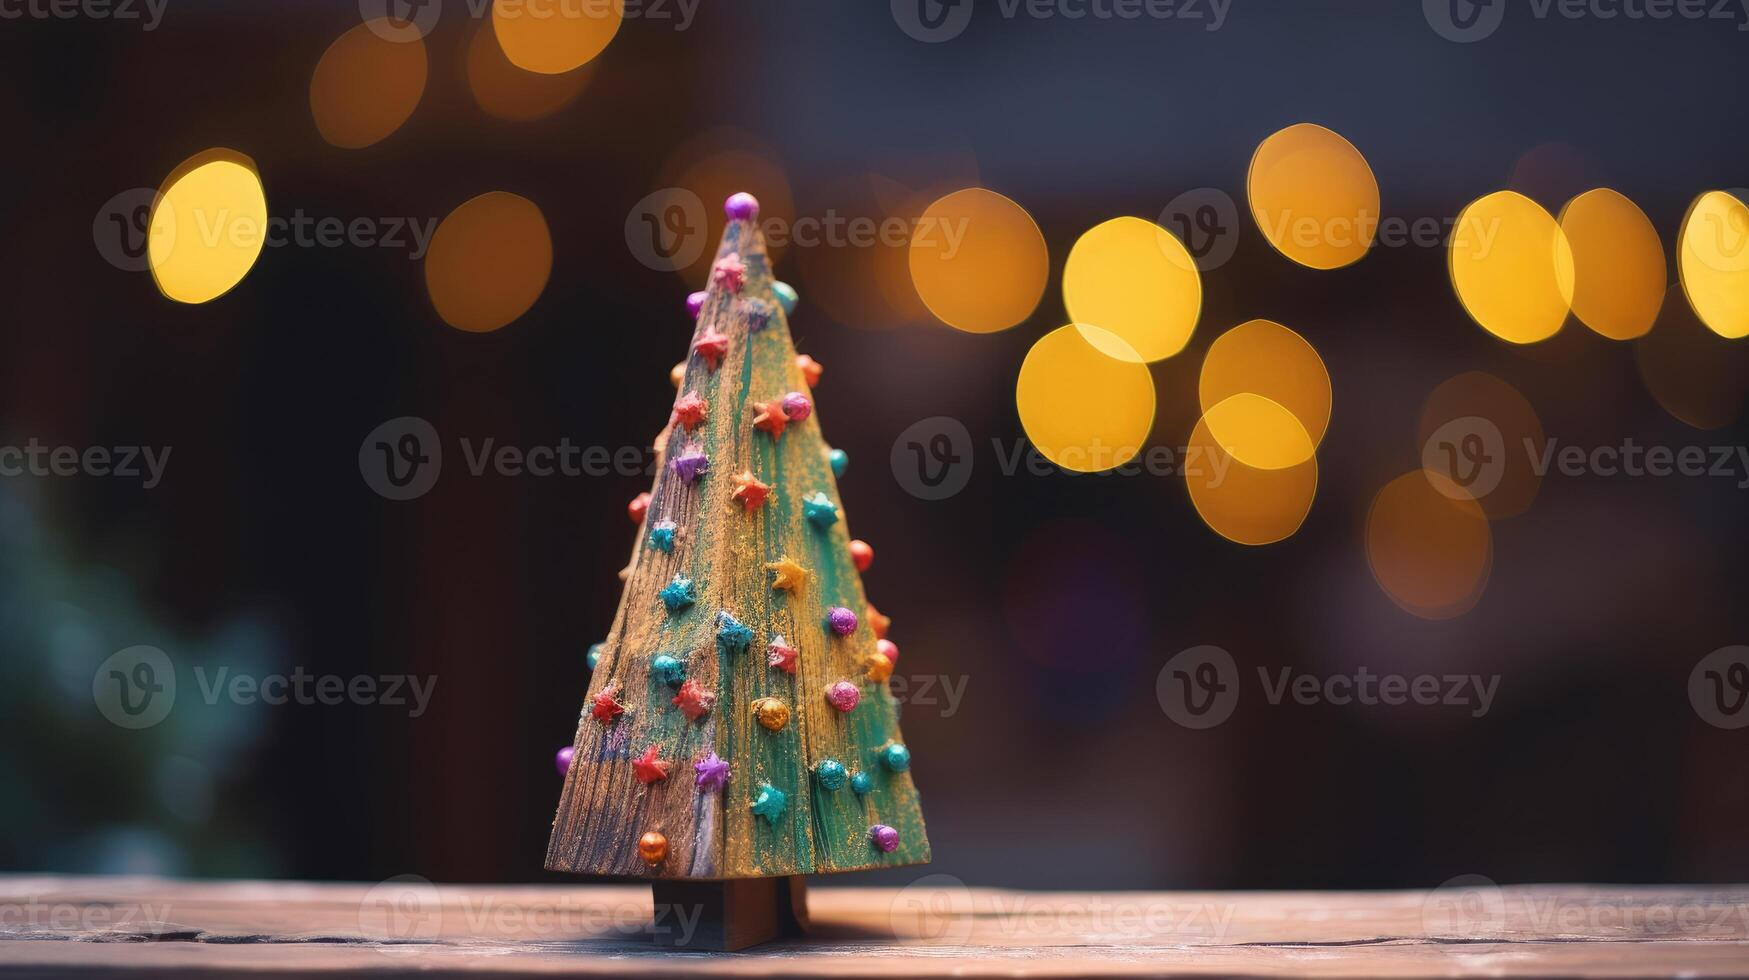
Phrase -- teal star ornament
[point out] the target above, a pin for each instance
(819, 509)
(678, 594)
(770, 802)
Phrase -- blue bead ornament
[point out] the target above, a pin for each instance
(896, 756)
(840, 461)
(862, 783)
(830, 773)
(667, 669)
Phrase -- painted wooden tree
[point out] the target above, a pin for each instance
(738, 726)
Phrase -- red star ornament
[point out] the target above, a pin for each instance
(649, 768)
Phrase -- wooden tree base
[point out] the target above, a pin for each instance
(728, 915)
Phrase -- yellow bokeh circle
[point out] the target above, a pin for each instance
(1133, 279)
(366, 85)
(555, 36)
(488, 262)
(1083, 408)
(1429, 545)
(1713, 258)
(1512, 267)
(1619, 267)
(978, 261)
(208, 226)
(1259, 432)
(1246, 504)
(1314, 197)
(1264, 358)
(509, 92)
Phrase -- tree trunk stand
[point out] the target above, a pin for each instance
(728, 915)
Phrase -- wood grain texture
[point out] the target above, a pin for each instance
(66, 926)
(724, 550)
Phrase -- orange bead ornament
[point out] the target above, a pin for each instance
(653, 848)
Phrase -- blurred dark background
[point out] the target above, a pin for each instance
(1055, 600)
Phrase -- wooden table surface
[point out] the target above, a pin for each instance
(69, 926)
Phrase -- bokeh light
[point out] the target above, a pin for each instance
(1512, 267)
(1314, 197)
(554, 36)
(1713, 259)
(867, 286)
(1264, 358)
(1485, 438)
(1259, 432)
(501, 89)
(489, 261)
(208, 226)
(1693, 373)
(365, 86)
(1083, 408)
(1132, 278)
(1245, 504)
(1429, 545)
(1618, 264)
(711, 166)
(978, 261)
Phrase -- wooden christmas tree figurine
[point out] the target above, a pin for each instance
(738, 731)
